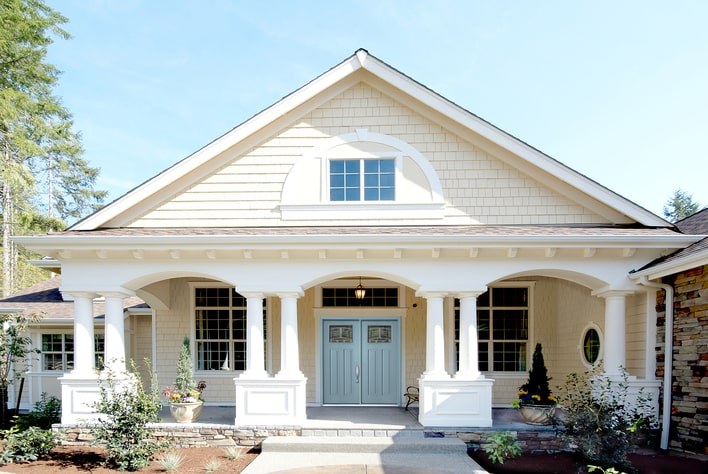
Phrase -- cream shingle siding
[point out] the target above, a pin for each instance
(636, 321)
(478, 187)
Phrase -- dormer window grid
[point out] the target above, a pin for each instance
(375, 176)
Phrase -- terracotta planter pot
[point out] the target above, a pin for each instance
(537, 414)
(186, 412)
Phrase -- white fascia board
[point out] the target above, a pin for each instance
(514, 145)
(671, 268)
(221, 144)
(49, 243)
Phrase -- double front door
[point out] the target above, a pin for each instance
(361, 361)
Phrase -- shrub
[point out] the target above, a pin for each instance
(599, 418)
(27, 445)
(212, 465)
(536, 391)
(126, 408)
(44, 414)
(233, 453)
(502, 445)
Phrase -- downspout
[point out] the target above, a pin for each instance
(668, 356)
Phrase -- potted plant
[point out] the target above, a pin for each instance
(536, 402)
(185, 396)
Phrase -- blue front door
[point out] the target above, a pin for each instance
(361, 361)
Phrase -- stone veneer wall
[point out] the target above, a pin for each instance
(689, 409)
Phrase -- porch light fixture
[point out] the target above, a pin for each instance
(359, 291)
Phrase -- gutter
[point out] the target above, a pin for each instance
(668, 356)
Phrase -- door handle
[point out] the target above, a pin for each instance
(356, 373)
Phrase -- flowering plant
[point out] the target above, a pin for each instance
(185, 389)
(174, 395)
(535, 391)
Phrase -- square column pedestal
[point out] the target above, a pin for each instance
(270, 401)
(78, 395)
(455, 403)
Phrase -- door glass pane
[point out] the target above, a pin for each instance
(379, 334)
(341, 334)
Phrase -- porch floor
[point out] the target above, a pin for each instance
(366, 418)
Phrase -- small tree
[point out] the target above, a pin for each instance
(184, 381)
(536, 391)
(680, 206)
(15, 346)
(126, 408)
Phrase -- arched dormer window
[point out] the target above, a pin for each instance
(362, 176)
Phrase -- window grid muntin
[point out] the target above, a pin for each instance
(487, 315)
(224, 347)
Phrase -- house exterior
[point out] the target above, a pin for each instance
(682, 310)
(470, 245)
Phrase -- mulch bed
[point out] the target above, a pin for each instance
(646, 462)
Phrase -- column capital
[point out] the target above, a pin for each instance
(469, 294)
(68, 295)
(251, 294)
(116, 294)
(610, 293)
(290, 293)
(431, 294)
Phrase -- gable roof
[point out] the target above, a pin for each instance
(145, 194)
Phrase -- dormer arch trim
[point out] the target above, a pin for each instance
(362, 175)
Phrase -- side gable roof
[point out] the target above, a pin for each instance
(695, 255)
(46, 298)
(362, 60)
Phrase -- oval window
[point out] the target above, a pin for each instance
(591, 346)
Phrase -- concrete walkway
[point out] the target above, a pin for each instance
(406, 454)
(367, 440)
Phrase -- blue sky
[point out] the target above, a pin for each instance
(617, 90)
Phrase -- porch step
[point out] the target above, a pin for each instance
(361, 433)
(357, 444)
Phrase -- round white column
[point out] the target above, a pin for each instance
(289, 346)
(84, 349)
(434, 337)
(255, 359)
(115, 333)
(469, 357)
(615, 340)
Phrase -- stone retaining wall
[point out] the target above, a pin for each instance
(185, 436)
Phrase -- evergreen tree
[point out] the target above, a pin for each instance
(37, 144)
(680, 206)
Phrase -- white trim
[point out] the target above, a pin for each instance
(581, 345)
(356, 210)
(660, 270)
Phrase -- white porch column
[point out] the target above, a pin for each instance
(79, 388)
(615, 340)
(255, 358)
(84, 349)
(434, 337)
(115, 332)
(469, 357)
(289, 346)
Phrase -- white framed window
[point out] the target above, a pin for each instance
(220, 331)
(503, 320)
(591, 346)
(57, 351)
(356, 180)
